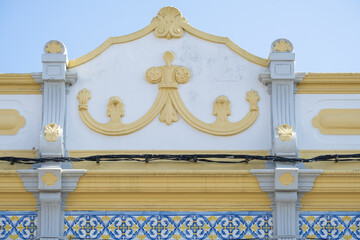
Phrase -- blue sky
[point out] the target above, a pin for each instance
(325, 33)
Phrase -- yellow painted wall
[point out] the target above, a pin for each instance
(168, 190)
(13, 196)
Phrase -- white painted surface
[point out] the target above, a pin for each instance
(120, 71)
(308, 106)
(30, 107)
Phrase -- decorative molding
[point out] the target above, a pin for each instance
(19, 153)
(329, 83)
(338, 121)
(86, 153)
(168, 104)
(51, 185)
(168, 190)
(285, 187)
(14, 197)
(305, 153)
(281, 81)
(18, 83)
(334, 190)
(176, 30)
(285, 132)
(54, 79)
(10, 121)
(52, 132)
(168, 23)
(54, 47)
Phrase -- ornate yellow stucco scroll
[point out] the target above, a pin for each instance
(169, 105)
(169, 24)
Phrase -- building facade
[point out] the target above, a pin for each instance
(174, 133)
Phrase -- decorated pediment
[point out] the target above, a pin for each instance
(172, 80)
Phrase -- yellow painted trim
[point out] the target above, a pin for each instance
(329, 165)
(86, 153)
(338, 121)
(18, 83)
(183, 26)
(10, 121)
(19, 153)
(329, 83)
(164, 164)
(334, 190)
(13, 196)
(5, 165)
(180, 190)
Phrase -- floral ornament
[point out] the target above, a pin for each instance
(84, 97)
(169, 20)
(285, 132)
(282, 46)
(54, 47)
(52, 132)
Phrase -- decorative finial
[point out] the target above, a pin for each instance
(169, 58)
(169, 20)
(54, 47)
(282, 45)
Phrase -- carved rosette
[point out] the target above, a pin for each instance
(285, 132)
(51, 132)
(168, 21)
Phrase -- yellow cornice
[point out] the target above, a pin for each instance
(86, 153)
(166, 164)
(18, 83)
(330, 165)
(174, 190)
(13, 196)
(334, 190)
(329, 83)
(182, 25)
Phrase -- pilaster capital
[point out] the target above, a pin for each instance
(286, 179)
(52, 179)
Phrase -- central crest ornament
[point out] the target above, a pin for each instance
(169, 21)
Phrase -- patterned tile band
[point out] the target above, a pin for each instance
(18, 225)
(168, 225)
(330, 225)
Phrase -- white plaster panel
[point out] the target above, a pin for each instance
(30, 107)
(215, 69)
(308, 106)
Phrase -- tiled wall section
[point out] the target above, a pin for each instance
(168, 225)
(18, 225)
(330, 225)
